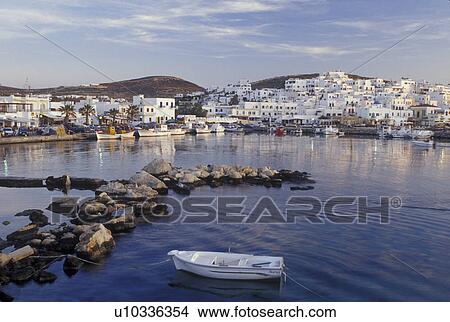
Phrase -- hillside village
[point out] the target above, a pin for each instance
(329, 98)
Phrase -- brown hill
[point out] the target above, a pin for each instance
(151, 86)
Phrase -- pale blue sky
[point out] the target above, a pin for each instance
(214, 42)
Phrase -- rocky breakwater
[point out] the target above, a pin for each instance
(88, 233)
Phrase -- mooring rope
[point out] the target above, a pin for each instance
(151, 264)
(303, 286)
(56, 257)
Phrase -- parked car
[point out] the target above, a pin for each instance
(22, 132)
(7, 131)
(46, 131)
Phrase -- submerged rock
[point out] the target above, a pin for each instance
(23, 234)
(5, 297)
(68, 242)
(64, 205)
(44, 277)
(62, 183)
(3, 244)
(158, 167)
(95, 242)
(86, 183)
(22, 275)
(36, 216)
(72, 265)
(305, 188)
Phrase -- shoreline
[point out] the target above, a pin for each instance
(369, 132)
(43, 139)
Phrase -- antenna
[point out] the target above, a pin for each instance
(27, 86)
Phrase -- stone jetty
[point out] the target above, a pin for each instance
(116, 207)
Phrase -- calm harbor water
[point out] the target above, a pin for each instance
(404, 260)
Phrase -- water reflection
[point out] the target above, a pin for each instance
(227, 288)
(341, 262)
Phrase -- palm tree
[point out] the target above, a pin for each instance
(87, 110)
(68, 111)
(132, 111)
(113, 113)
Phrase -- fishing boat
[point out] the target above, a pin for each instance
(328, 130)
(160, 130)
(423, 143)
(105, 136)
(202, 129)
(233, 128)
(127, 136)
(231, 266)
(108, 134)
(177, 131)
(217, 128)
(421, 134)
(150, 133)
(400, 133)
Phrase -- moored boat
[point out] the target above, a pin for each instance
(177, 131)
(105, 136)
(217, 128)
(423, 143)
(328, 130)
(233, 128)
(231, 266)
(127, 136)
(203, 129)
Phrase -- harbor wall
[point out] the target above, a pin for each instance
(48, 138)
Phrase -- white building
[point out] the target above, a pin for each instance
(23, 110)
(157, 110)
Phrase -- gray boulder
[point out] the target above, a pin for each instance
(145, 178)
(122, 224)
(140, 192)
(23, 234)
(158, 167)
(95, 243)
(188, 178)
(113, 188)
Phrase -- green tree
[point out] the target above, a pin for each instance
(192, 109)
(113, 113)
(68, 111)
(132, 112)
(87, 110)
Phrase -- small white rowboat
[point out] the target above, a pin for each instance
(228, 265)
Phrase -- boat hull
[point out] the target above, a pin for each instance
(423, 143)
(177, 132)
(202, 131)
(127, 136)
(151, 133)
(102, 136)
(227, 272)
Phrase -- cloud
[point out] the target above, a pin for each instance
(288, 48)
